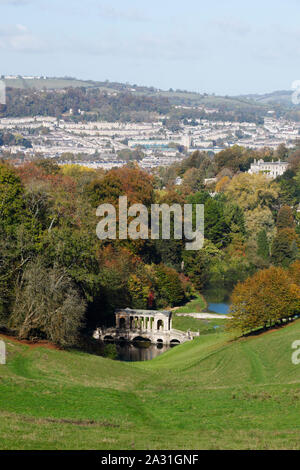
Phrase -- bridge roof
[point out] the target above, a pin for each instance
(132, 312)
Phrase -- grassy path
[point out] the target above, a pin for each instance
(212, 393)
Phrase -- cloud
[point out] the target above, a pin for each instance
(19, 39)
(230, 26)
(130, 14)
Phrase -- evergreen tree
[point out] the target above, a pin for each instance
(284, 247)
(285, 218)
(263, 249)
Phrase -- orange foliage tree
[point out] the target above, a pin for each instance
(264, 299)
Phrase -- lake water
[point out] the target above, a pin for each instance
(220, 308)
(129, 352)
(217, 301)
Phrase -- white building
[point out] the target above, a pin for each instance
(271, 169)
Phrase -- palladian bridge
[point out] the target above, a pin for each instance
(135, 325)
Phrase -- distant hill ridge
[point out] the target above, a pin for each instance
(54, 83)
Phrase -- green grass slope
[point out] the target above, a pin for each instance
(212, 393)
(48, 83)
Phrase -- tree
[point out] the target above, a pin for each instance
(139, 290)
(235, 158)
(285, 218)
(263, 300)
(263, 249)
(222, 183)
(282, 152)
(294, 271)
(47, 305)
(251, 191)
(131, 182)
(197, 264)
(11, 197)
(48, 166)
(235, 219)
(259, 219)
(193, 180)
(168, 285)
(284, 247)
(216, 228)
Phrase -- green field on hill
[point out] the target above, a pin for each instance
(211, 393)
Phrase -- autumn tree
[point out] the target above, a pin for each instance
(131, 182)
(263, 300)
(294, 271)
(222, 183)
(193, 180)
(235, 158)
(251, 191)
(259, 219)
(285, 218)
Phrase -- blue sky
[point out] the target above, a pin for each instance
(225, 47)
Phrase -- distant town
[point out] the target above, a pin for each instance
(102, 144)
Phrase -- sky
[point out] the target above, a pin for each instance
(214, 46)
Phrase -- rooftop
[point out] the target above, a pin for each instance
(132, 312)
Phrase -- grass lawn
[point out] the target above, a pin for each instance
(211, 393)
(195, 324)
(196, 305)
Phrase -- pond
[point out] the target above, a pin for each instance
(220, 308)
(142, 351)
(217, 301)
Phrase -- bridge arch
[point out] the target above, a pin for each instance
(174, 341)
(108, 338)
(141, 338)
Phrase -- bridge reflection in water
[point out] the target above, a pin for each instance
(134, 352)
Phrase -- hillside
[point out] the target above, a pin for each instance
(212, 393)
(283, 97)
(251, 102)
(47, 83)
